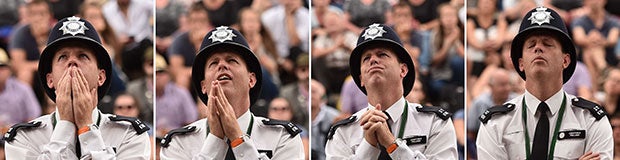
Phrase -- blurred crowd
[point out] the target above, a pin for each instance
(277, 32)
(432, 31)
(492, 79)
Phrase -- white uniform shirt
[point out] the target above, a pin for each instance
(502, 137)
(263, 138)
(111, 140)
(348, 141)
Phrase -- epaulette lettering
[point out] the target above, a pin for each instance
(290, 127)
(596, 110)
(442, 113)
(12, 132)
(332, 129)
(135, 123)
(165, 142)
(503, 109)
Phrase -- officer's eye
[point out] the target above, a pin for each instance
(232, 60)
(531, 45)
(62, 57)
(212, 63)
(366, 58)
(383, 54)
(83, 56)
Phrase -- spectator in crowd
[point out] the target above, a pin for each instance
(10, 18)
(485, 32)
(596, 33)
(142, 88)
(19, 103)
(127, 105)
(580, 84)
(412, 40)
(615, 125)
(319, 8)
(260, 40)
(447, 62)
(131, 19)
(280, 109)
(417, 95)
(332, 50)
(611, 91)
(92, 12)
(459, 129)
(28, 41)
(65, 8)
(425, 12)
(361, 13)
(184, 47)
(352, 99)
(297, 93)
(171, 97)
(221, 12)
(169, 15)
(288, 24)
(323, 116)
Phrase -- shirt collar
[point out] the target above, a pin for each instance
(95, 115)
(553, 102)
(395, 110)
(244, 121)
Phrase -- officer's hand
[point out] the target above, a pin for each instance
(227, 114)
(84, 98)
(590, 155)
(384, 135)
(371, 120)
(212, 115)
(63, 97)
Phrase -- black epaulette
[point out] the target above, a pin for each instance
(486, 116)
(332, 129)
(442, 113)
(596, 110)
(135, 123)
(290, 127)
(168, 137)
(12, 132)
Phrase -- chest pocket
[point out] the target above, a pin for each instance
(515, 144)
(570, 144)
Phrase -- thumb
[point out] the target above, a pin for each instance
(378, 106)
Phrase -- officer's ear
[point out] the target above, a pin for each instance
(566, 60)
(361, 81)
(403, 70)
(101, 78)
(203, 86)
(49, 79)
(252, 79)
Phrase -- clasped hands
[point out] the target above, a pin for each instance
(220, 114)
(75, 98)
(376, 130)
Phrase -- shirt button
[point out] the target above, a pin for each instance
(241, 155)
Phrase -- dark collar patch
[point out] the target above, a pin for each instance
(269, 153)
(416, 139)
(574, 134)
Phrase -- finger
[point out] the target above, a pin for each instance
(377, 119)
(365, 117)
(378, 106)
(374, 127)
(223, 97)
(83, 79)
(367, 125)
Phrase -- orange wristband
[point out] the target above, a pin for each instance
(236, 142)
(83, 130)
(392, 148)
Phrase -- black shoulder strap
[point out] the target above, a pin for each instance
(168, 137)
(343, 122)
(442, 113)
(503, 109)
(135, 123)
(290, 127)
(12, 132)
(596, 110)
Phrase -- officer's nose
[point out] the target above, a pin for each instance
(222, 66)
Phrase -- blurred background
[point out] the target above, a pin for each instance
(492, 80)
(126, 31)
(432, 31)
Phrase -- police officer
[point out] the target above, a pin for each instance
(228, 77)
(545, 122)
(75, 69)
(390, 127)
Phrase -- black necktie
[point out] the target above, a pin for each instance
(541, 136)
(78, 149)
(384, 155)
(229, 154)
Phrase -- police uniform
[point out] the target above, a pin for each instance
(575, 125)
(48, 137)
(263, 138)
(420, 132)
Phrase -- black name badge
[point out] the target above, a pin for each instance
(269, 153)
(574, 134)
(415, 140)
